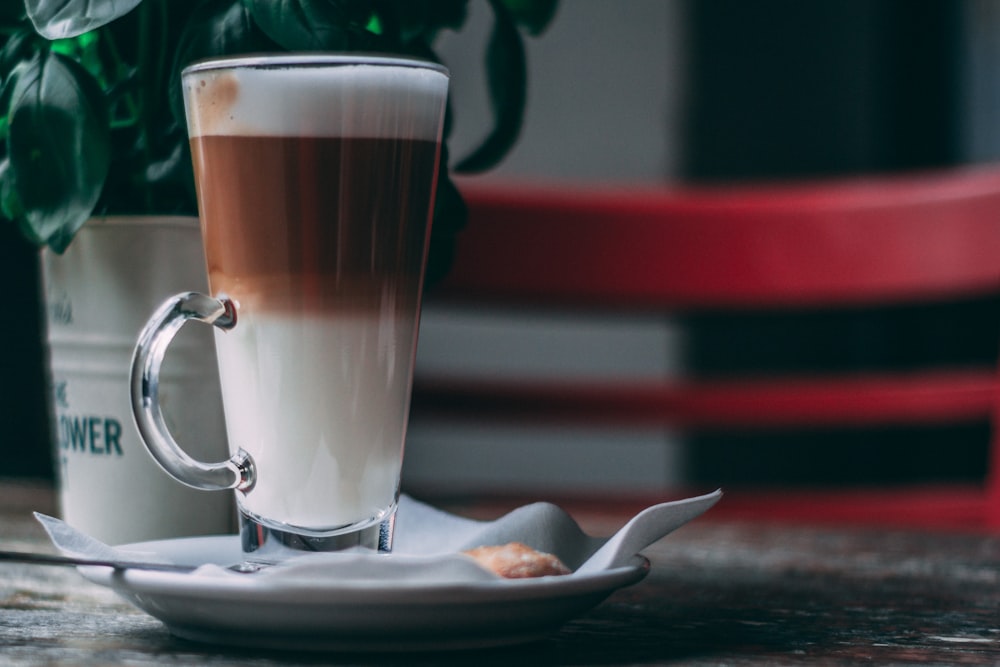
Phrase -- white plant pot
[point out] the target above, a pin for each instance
(98, 295)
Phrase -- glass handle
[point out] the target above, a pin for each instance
(237, 472)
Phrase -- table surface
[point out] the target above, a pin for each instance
(718, 594)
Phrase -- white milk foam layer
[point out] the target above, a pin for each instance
(319, 402)
(339, 100)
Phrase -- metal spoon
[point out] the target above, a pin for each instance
(48, 559)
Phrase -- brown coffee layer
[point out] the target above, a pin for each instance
(306, 222)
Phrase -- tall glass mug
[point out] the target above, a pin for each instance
(315, 178)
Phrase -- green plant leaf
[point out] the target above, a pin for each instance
(56, 19)
(59, 147)
(507, 82)
(310, 25)
(533, 15)
(218, 28)
(11, 14)
(415, 19)
(19, 47)
(10, 207)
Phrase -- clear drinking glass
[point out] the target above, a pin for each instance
(315, 178)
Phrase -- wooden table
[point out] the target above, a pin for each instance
(718, 594)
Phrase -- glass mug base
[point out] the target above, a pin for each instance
(266, 544)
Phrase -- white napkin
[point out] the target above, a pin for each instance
(427, 543)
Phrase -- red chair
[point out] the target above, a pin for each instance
(873, 240)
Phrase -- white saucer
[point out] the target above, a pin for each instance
(349, 615)
(425, 595)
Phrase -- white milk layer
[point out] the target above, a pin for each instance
(320, 404)
(335, 100)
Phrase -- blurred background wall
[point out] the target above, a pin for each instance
(723, 91)
(665, 90)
